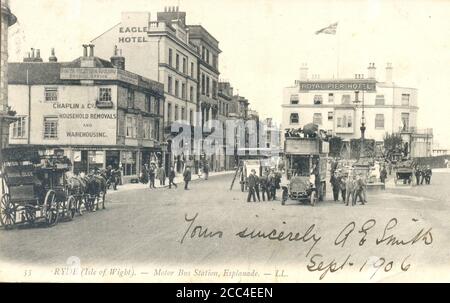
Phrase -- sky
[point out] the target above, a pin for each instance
(264, 42)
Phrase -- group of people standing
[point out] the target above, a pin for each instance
(267, 185)
(150, 173)
(423, 173)
(351, 188)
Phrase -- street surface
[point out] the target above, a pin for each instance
(143, 229)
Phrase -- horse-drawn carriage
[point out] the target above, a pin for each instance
(306, 173)
(34, 186)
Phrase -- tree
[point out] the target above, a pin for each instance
(393, 144)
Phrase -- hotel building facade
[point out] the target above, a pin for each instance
(336, 106)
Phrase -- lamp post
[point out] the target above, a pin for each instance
(362, 161)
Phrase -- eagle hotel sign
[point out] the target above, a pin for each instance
(338, 85)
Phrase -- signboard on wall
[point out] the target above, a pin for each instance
(355, 85)
(88, 73)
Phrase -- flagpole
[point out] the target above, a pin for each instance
(338, 51)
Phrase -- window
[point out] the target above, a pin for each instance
(345, 99)
(156, 106)
(128, 160)
(203, 52)
(317, 118)
(191, 117)
(176, 113)
(294, 118)
(226, 109)
(50, 127)
(215, 61)
(156, 130)
(191, 93)
(318, 99)
(184, 66)
(349, 121)
(51, 94)
(379, 100)
(176, 88)
(183, 113)
(19, 128)
(405, 99)
(169, 112)
(207, 86)
(104, 94)
(339, 122)
(330, 98)
(330, 115)
(148, 104)
(170, 57)
(146, 129)
(214, 89)
(379, 121)
(207, 56)
(183, 91)
(131, 127)
(169, 85)
(294, 99)
(203, 84)
(192, 69)
(177, 62)
(405, 120)
(130, 98)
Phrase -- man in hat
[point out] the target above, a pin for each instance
(187, 176)
(335, 185)
(151, 175)
(251, 186)
(172, 177)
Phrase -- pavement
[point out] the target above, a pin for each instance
(211, 234)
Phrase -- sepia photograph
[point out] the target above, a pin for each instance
(225, 141)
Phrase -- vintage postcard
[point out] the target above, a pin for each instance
(224, 141)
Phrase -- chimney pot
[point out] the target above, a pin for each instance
(38, 53)
(32, 53)
(85, 52)
(91, 50)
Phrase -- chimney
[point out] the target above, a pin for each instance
(85, 52)
(32, 53)
(52, 57)
(117, 60)
(38, 56)
(303, 72)
(91, 50)
(371, 71)
(388, 73)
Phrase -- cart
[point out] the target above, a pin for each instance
(306, 173)
(404, 171)
(34, 187)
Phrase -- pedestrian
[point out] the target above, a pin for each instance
(258, 181)
(187, 176)
(144, 174)
(206, 170)
(151, 176)
(335, 186)
(383, 174)
(343, 186)
(264, 183)
(162, 176)
(446, 163)
(251, 186)
(172, 177)
(272, 185)
(428, 174)
(418, 173)
(350, 190)
(422, 174)
(359, 191)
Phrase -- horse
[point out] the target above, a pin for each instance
(77, 187)
(96, 189)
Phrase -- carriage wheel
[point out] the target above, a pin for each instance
(313, 198)
(7, 212)
(71, 208)
(51, 208)
(30, 214)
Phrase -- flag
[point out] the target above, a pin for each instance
(330, 29)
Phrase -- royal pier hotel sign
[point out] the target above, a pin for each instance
(356, 85)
